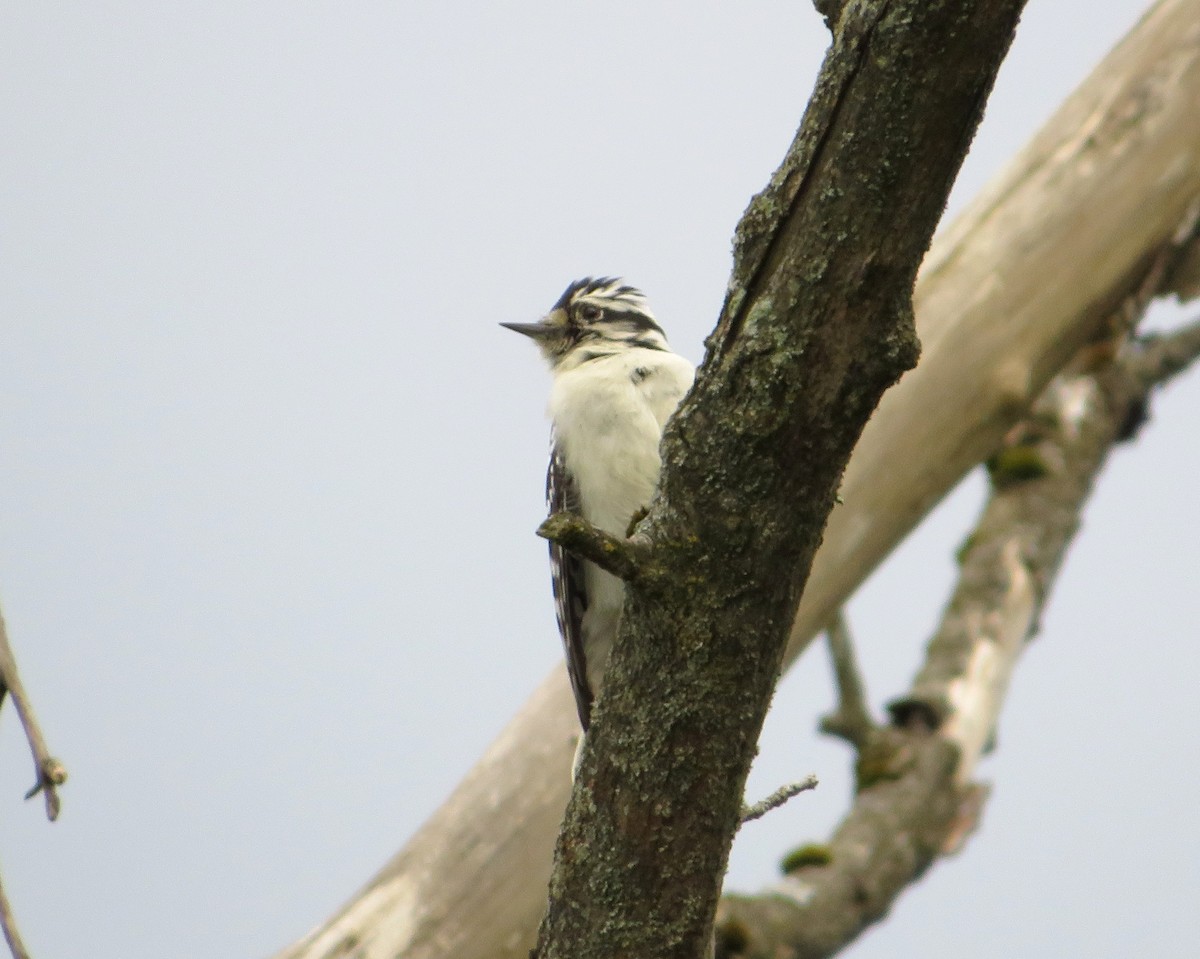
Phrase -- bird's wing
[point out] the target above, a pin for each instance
(570, 590)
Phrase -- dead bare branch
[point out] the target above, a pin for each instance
(49, 771)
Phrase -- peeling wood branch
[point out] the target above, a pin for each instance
(916, 800)
(850, 719)
(1183, 275)
(1164, 266)
(624, 558)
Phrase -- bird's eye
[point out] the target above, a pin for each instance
(589, 312)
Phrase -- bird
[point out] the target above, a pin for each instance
(615, 383)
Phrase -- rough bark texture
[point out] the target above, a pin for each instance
(1007, 293)
(817, 324)
(915, 799)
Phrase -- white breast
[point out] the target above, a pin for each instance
(608, 417)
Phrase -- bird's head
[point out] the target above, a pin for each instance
(594, 317)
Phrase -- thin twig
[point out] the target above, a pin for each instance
(850, 720)
(49, 771)
(9, 925)
(778, 798)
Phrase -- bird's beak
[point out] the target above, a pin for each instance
(537, 331)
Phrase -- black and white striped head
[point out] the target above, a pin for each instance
(593, 318)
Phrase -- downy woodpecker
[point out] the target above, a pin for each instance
(616, 382)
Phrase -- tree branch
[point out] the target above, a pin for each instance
(915, 797)
(624, 558)
(49, 771)
(850, 719)
(8, 924)
(1156, 359)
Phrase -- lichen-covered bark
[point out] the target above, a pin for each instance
(817, 324)
(915, 797)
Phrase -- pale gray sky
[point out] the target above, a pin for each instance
(270, 471)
